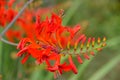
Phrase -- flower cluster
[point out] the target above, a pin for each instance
(21, 26)
(7, 14)
(49, 40)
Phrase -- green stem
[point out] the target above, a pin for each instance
(1, 58)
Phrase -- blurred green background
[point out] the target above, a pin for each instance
(97, 18)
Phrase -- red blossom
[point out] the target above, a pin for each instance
(13, 34)
(2, 3)
(46, 40)
(59, 67)
(42, 55)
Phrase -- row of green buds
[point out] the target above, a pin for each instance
(85, 47)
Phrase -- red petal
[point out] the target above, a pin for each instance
(92, 53)
(73, 31)
(80, 38)
(60, 70)
(57, 60)
(86, 56)
(93, 42)
(47, 51)
(83, 40)
(76, 29)
(79, 59)
(56, 18)
(25, 58)
(89, 40)
(20, 43)
(52, 69)
(22, 51)
(48, 63)
(74, 69)
(53, 56)
(66, 68)
(35, 52)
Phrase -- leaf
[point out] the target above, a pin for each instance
(99, 74)
(71, 11)
(0, 57)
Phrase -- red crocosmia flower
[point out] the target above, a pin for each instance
(43, 55)
(25, 51)
(10, 3)
(10, 14)
(2, 16)
(6, 14)
(2, 3)
(13, 34)
(23, 43)
(48, 40)
(59, 67)
(20, 53)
